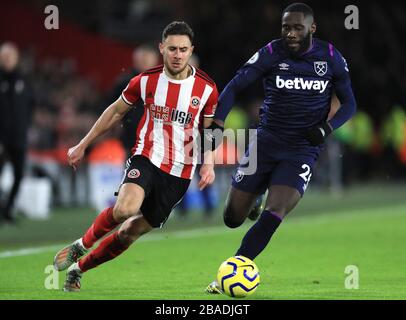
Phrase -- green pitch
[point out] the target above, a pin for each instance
(306, 259)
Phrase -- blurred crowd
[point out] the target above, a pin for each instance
(65, 104)
(68, 104)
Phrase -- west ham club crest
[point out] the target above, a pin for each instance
(320, 67)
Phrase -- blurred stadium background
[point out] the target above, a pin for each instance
(77, 70)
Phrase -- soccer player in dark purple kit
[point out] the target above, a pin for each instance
(300, 75)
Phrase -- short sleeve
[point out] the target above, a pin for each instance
(132, 92)
(211, 104)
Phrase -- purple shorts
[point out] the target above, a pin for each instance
(276, 164)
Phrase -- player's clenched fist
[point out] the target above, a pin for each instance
(75, 155)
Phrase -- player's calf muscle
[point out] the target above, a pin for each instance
(278, 210)
(133, 228)
(282, 209)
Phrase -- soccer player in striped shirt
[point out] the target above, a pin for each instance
(179, 101)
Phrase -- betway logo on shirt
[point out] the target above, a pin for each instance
(301, 84)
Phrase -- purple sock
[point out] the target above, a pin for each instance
(258, 236)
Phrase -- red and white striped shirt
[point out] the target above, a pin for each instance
(169, 128)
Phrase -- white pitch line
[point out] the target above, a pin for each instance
(209, 231)
(26, 251)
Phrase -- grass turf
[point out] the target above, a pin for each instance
(306, 259)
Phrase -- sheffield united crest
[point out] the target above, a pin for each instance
(320, 67)
(134, 174)
(195, 102)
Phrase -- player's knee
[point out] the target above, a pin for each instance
(122, 212)
(231, 221)
(233, 217)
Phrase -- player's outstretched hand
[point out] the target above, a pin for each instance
(207, 175)
(75, 155)
(317, 134)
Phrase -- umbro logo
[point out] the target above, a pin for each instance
(283, 66)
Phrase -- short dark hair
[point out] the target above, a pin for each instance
(178, 28)
(299, 7)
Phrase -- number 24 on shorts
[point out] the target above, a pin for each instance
(306, 175)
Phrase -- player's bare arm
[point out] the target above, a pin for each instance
(219, 122)
(111, 116)
(206, 172)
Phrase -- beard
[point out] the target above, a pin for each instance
(175, 72)
(304, 45)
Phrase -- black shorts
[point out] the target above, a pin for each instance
(162, 190)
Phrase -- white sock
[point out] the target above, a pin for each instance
(80, 242)
(75, 266)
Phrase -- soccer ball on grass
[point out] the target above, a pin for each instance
(238, 277)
